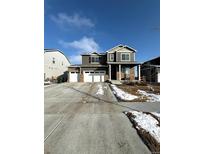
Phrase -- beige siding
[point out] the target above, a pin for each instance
(53, 70)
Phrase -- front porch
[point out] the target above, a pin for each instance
(122, 71)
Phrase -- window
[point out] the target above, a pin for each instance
(53, 60)
(126, 70)
(125, 56)
(112, 57)
(95, 59)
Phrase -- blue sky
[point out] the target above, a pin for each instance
(78, 26)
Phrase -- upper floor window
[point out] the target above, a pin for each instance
(125, 56)
(112, 57)
(95, 59)
(53, 60)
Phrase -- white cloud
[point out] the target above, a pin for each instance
(64, 20)
(83, 45)
(75, 59)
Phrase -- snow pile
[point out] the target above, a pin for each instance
(148, 123)
(121, 94)
(100, 90)
(151, 97)
(156, 114)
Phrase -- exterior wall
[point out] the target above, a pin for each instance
(54, 70)
(73, 69)
(150, 70)
(86, 60)
(119, 52)
(94, 68)
(150, 74)
(118, 56)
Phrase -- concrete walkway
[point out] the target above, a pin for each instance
(79, 121)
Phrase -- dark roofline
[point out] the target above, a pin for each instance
(85, 54)
(56, 50)
(151, 59)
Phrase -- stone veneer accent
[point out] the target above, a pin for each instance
(106, 77)
(81, 77)
(132, 73)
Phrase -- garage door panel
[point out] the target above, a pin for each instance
(88, 76)
(94, 76)
(74, 76)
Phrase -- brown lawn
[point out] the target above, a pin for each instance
(132, 88)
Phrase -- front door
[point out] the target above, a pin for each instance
(113, 72)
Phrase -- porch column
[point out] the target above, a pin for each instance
(119, 72)
(110, 72)
(139, 74)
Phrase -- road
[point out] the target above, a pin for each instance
(77, 121)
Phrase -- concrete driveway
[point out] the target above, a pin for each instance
(79, 121)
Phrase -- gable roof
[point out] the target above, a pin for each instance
(56, 50)
(121, 46)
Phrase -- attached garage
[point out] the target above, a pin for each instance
(94, 76)
(74, 76)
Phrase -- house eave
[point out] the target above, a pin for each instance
(93, 66)
(124, 62)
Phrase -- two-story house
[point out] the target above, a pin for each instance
(117, 63)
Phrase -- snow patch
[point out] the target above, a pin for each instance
(151, 97)
(100, 90)
(156, 114)
(122, 94)
(148, 123)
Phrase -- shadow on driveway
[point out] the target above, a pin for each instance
(103, 100)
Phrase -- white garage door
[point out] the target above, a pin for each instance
(74, 76)
(94, 76)
(88, 76)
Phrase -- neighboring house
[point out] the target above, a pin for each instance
(55, 65)
(117, 63)
(150, 70)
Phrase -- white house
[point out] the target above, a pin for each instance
(55, 64)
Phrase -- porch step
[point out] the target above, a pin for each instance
(117, 82)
